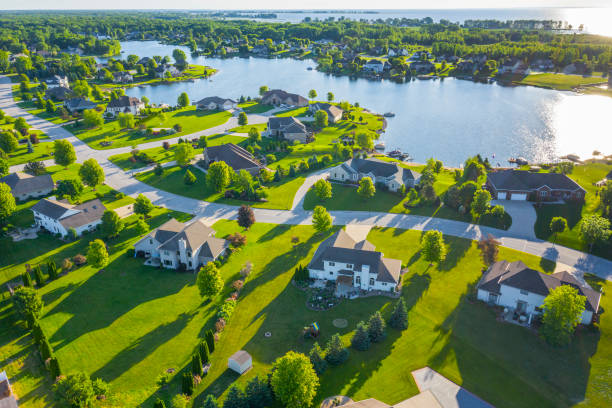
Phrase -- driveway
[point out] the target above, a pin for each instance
(523, 217)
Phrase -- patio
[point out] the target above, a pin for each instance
(510, 315)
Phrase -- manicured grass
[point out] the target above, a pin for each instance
(254, 107)
(245, 128)
(42, 151)
(192, 72)
(301, 111)
(559, 81)
(189, 118)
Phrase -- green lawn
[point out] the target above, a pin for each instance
(300, 111)
(559, 81)
(189, 118)
(42, 151)
(245, 128)
(254, 107)
(192, 72)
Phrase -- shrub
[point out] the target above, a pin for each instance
(238, 284)
(219, 325)
(237, 239)
(79, 260)
(66, 265)
(226, 310)
(246, 269)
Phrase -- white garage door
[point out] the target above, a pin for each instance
(519, 197)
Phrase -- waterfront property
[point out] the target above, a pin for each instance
(288, 128)
(525, 185)
(175, 245)
(75, 105)
(215, 103)
(234, 156)
(125, 104)
(280, 97)
(59, 217)
(24, 186)
(515, 286)
(390, 174)
(334, 113)
(354, 264)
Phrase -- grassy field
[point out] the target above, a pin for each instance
(245, 128)
(559, 81)
(192, 72)
(189, 118)
(128, 336)
(254, 107)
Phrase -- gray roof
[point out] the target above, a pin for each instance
(69, 215)
(381, 169)
(241, 357)
(23, 183)
(59, 92)
(52, 208)
(519, 276)
(196, 235)
(341, 247)
(124, 101)
(234, 156)
(287, 124)
(280, 94)
(214, 99)
(79, 104)
(374, 62)
(520, 180)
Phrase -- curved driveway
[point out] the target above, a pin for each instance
(122, 181)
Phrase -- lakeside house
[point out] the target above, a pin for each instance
(125, 104)
(288, 128)
(73, 105)
(57, 80)
(59, 93)
(234, 156)
(390, 174)
(280, 97)
(175, 245)
(59, 216)
(7, 397)
(354, 264)
(525, 185)
(515, 286)
(215, 103)
(165, 70)
(122, 77)
(334, 113)
(24, 186)
(374, 65)
(423, 67)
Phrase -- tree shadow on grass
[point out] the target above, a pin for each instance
(457, 248)
(58, 292)
(274, 232)
(548, 262)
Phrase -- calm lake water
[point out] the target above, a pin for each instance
(448, 119)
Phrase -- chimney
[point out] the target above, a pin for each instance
(182, 244)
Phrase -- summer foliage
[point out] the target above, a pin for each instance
(563, 308)
(294, 380)
(209, 280)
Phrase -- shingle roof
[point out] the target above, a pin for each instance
(279, 93)
(52, 208)
(58, 92)
(214, 99)
(520, 180)
(241, 357)
(88, 212)
(194, 234)
(79, 103)
(124, 101)
(23, 183)
(382, 169)
(234, 156)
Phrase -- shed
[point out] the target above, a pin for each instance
(240, 361)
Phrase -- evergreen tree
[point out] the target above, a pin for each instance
(335, 352)
(361, 338)
(187, 384)
(376, 327)
(37, 333)
(38, 276)
(189, 178)
(196, 365)
(292, 171)
(159, 403)
(210, 340)
(45, 349)
(54, 368)
(277, 175)
(204, 352)
(210, 402)
(27, 280)
(316, 358)
(52, 270)
(258, 393)
(235, 398)
(399, 317)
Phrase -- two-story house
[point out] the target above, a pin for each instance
(374, 65)
(59, 217)
(288, 128)
(280, 97)
(390, 174)
(57, 80)
(334, 113)
(175, 245)
(125, 104)
(234, 156)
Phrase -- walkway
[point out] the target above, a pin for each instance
(211, 212)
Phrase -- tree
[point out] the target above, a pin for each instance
(563, 308)
(196, 365)
(246, 217)
(50, 107)
(481, 203)
(52, 270)
(323, 189)
(209, 280)
(235, 398)
(8, 142)
(335, 352)
(330, 97)
(39, 277)
(35, 168)
(361, 339)
(321, 119)
(243, 119)
(262, 90)
(399, 316)
(365, 141)
(54, 368)
(489, 248)
(63, 153)
(218, 176)
(183, 153)
(27, 280)
(141, 226)
(317, 359)
(91, 173)
(159, 403)
(179, 57)
(258, 393)
(7, 203)
(181, 400)
(202, 142)
(189, 178)
(210, 402)
(4, 167)
(143, 205)
(183, 100)
(126, 120)
(111, 224)
(204, 352)
(321, 219)
(76, 390)
(71, 188)
(28, 304)
(376, 327)
(312, 94)
(366, 188)
(294, 381)
(432, 247)
(187, 384)
(46, 351)
(97, 256)
(92, 118)
(210, 340)
(593, 229)
(557, 225)
(254, 135)
(21, 125)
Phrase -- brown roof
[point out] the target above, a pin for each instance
(194, 235)
(426, 399)
(23, 183)
(241, 357)
(124, 101)
(521, 180)
(88, 212)
(234, 156)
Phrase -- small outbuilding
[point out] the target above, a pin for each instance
(240, 362)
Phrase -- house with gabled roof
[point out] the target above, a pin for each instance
(234, 156)
(78, 104)
(334, 113)
(391, 174)
(523, 185)
(24, 185)
(289, 128)
(59, 216)
(515, 286)
(215, 103)
(280, 97)
(355, 263)
(7, 397)
(175, 245)
(125, 104)
(57, 80)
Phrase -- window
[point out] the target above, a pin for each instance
(492, 297)
(167, 262)
(524, 292)
(189, 253)
(178, 253)
(331, 273)
(384, 283)
(544, 193)
(332, 264)
(358, 280)
(151, 241)
(190, 264)
(349, 266)
(371, 281)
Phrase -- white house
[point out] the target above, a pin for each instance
(176, 245)
(390, 174)
(215, 103)
(240, 362)
(24, 185)
(374, 65)
(59, 217)
(515, 286)
(57, 80)
(7, 397)
(125, 104)
(347, 261)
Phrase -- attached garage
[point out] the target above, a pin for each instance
(516, 196)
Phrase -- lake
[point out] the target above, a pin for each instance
(448, 119)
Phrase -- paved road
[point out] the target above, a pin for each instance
(122, 181)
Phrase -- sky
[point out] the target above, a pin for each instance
(284, 4)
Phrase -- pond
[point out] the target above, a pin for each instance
(449, 119)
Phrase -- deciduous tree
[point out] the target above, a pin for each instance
(321, 219)
(7, 203)
(183, 153)
(111, 224)
(432, 247)
(143, 205)
(209, 280)
(323, 189)
(294, 381)
(91, 173)
(366, 188)
(218, 176)
(593, 229)
(97, 256)
(246, 217)
(563, 308)
(557, 225)
(63, 153)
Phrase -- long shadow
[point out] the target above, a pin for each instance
(274, 232)
(58, 292)
(457, 248)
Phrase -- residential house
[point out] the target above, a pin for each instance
(515, 286)
(125, 104)
(423, 67)
(354, 264)
(374, 65)
(513, 66)
(59, 217)
(577, 68)
(425, 399)
(24, 186)
(260, 50)
(543, 64)
(334, 113)
(57, 80)
(390, 174)
(7, 398)
(523, 185)
(234, 156)
(453, 59)
(280, 97)
(59, 93)
(175, 245)
(467, 66)
(73, 105)
(392, 53)
(122, 77)
(144, 61)
(163, 70)
(289, 128)
(215, 103)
